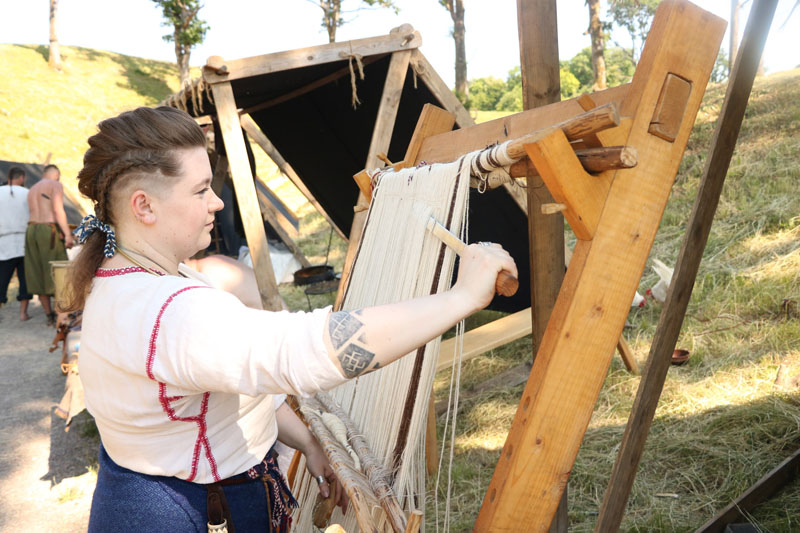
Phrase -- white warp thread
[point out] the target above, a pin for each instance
(397, 260)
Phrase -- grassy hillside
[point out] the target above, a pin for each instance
(42, 110)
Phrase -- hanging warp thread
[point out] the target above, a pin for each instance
(397, 260)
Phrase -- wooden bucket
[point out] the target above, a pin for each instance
(59, 271)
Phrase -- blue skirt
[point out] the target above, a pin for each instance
(125, 501)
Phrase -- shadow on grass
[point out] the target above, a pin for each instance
(146, 77)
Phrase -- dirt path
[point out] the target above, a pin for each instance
(46, 475)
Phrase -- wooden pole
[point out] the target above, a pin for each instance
(246, 194)
(680, 290)
(765, 487)
(381, 138)
(541, 85)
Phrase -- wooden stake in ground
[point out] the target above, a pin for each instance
(541, 85)
(680, 290)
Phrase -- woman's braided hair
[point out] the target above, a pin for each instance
(138, 144)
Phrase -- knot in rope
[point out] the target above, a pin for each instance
(88, 225)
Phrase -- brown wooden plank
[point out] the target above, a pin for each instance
(261, 140)
(425, 72)
(449, 146)
(270, 215)
(313, 55)
(626, 354)
(573, 359)
(381, 138)
(669, 324)
(309, 87)
(487, 337)
(541, 85)
(584, 195)
(246, 195)
(765, 487)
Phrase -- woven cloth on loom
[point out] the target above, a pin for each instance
(397, 260)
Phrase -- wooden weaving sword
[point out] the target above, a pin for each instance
(506, 284)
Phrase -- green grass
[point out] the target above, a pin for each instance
(45, 111)
(721, 423)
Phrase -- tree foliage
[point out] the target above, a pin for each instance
(634, 16)
(333, 14)
(187, 30)
(493, 94)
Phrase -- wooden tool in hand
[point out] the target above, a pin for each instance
(506, 284)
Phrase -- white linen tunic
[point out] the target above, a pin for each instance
(13, 221)
(179, 376)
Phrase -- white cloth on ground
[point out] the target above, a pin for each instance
(14, 216)
(180, 376)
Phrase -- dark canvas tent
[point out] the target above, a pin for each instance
(300, 107)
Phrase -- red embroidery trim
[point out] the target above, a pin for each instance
(109, 272)
(166, 401)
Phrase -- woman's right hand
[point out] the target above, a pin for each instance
(479, 265)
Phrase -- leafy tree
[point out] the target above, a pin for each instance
(188, 30)
(635, 17)
(721, 69)
(54, 55)
(511, 101)
(619, 70)
(485, 93)
(570, 86)
(456, 10)
(332, 13)
(619, 67)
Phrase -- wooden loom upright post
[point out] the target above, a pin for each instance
(680, 290)
(541, 85)
(573, 358)
(246, 194)
(381, 138)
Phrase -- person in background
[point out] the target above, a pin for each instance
(13, 221)
(47, 238)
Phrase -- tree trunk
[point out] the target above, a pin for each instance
(182, 54)
(598, 46)
(733, 49)
(54, 56)
(332, 10)
(459, 36)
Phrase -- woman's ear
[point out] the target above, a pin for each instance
(141, 206)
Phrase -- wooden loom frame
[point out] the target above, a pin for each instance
(615, 216)
(676, 116)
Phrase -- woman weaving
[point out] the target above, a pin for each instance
(178, 375)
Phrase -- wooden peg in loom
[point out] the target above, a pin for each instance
(551, 209)
(506, 284)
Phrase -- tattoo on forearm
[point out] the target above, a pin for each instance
(353, 355)
(342, 327)
(355, 360)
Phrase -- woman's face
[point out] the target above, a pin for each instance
(185, 213)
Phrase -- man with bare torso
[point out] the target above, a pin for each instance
(47, 238)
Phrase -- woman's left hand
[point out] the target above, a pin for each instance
(317, 465)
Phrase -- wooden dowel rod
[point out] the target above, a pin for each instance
(598, 119)
(591, 159)
(374, 470)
